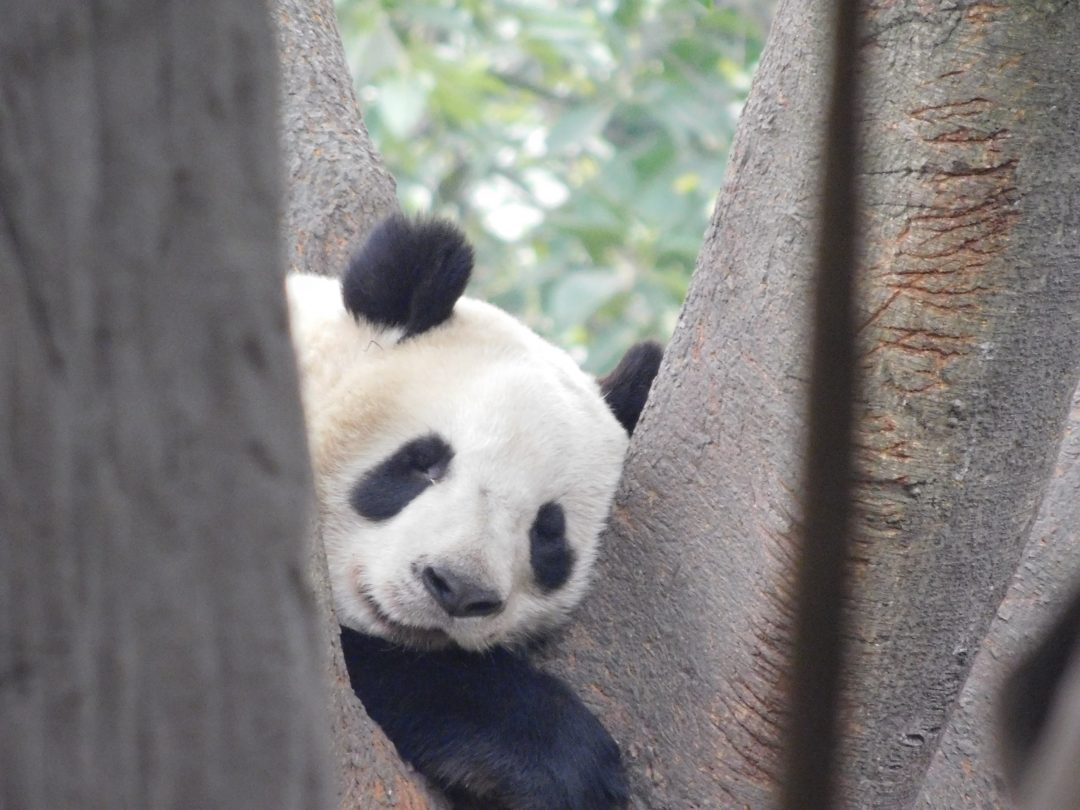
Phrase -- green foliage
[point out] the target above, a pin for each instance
(579, 143)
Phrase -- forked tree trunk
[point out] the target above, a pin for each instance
(970, 307)
(157, 639)
(965, 769)
(970, 315)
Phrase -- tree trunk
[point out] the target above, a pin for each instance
(337, 190)
(964, 771)
(971, 305)
(157, 645)
(337, 187)
(968, 313)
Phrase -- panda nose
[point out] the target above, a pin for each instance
(459, 596)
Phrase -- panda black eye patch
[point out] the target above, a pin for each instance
(549, 552)
(392, 485)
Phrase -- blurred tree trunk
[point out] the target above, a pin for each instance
(971, 307)
(157, 638)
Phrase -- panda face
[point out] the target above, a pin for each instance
(465, 504)
(464, 466)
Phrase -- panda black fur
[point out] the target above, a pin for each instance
(465, 468)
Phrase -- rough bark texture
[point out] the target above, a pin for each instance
(157, 641)
(337, 186)
(337, 190)
(682, 643)
(971, 308)
(965, 771)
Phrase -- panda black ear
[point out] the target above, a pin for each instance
(409, 273)
(627, 387)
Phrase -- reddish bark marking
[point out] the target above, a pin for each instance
(937, 268)
(969, 108)
(964, 134)
(982, 13)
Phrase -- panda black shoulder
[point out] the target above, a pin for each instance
(408, 274)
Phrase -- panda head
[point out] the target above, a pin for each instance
(465, 467)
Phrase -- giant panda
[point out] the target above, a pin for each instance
(464, 469)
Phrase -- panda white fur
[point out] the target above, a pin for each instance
(464, 468)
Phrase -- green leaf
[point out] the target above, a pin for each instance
(576, 126)
(578, 295)
(401, 105)
(630, 106)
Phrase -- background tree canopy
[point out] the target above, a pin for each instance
(580, 144)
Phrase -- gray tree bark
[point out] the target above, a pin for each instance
(157, 638)
(965, 769)
(337, 186)
(971, 305)
(337, 189)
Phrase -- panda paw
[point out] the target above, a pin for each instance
(577, 767)
(490, 729)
